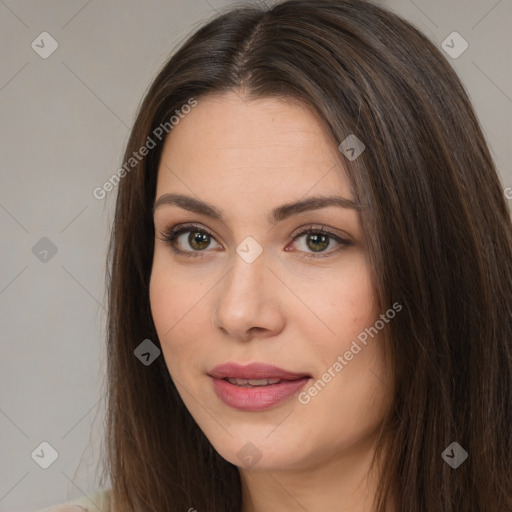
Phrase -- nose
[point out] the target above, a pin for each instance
(247, 302)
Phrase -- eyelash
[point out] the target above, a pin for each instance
(170, 235)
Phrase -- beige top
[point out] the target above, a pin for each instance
(91, 503)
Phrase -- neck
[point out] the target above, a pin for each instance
(341, 482)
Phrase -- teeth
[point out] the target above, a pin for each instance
(248, 383)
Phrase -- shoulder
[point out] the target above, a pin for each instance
(91, 503)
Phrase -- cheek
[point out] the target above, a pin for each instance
(176, 308)
(346, 303)
(348, 307)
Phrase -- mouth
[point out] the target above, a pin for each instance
(254, 374)
(253, 383)
(257, 386)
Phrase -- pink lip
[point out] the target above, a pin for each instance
(253, 371)
(257, 398)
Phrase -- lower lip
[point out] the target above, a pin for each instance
(256, 398)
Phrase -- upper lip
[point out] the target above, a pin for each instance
(253, 371)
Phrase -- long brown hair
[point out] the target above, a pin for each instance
(439, 241)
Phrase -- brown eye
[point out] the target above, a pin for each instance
(189, 240)
(320, 241)
(198, 240)
(317, 242)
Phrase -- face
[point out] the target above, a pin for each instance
(243, 282)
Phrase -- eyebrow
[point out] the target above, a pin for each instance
(278, 214)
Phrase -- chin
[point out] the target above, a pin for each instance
(253, 448)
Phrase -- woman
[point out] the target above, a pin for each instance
(310, 276)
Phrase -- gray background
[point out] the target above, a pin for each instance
(64, 123)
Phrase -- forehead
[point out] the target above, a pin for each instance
(267, 147)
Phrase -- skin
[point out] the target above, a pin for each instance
(300, 313)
